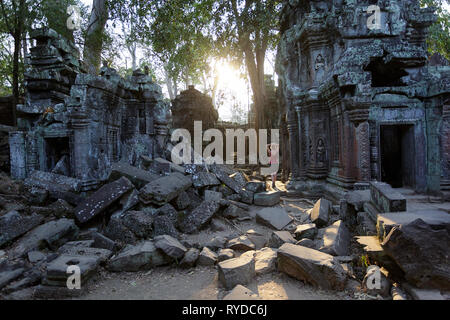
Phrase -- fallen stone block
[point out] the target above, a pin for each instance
(117, 231)
(247, 196)
(357, 198)
(275, 218)
(213, 195)
(386, 199)
(265, 261)
(257, 238)
(386, 222)
(216, 243)
(267, 199)
(36, 256)
(236, 271)
(13, 225)
(241, 243)
(225, 178)
(241, 293)
(102, 199)
(142, 256)
(204, 179)
(421, 251)
(199, 217)
(52, 234)
(165, 189)
(163, 225)
(102, 242)
(424, 294)
(335, 239)
(218, 225)
(207, 257)
(190, 258)
(102, 254)
(9, 274)
(278, 238)
(173, 167)
(225, 254)
(315, 267)
(321, 212)
(308, 243)
(241, 178)
(182, 201)
(256, 186)
(139, 222)
(308, 231)
(234, 212)
(56, 274)
(137, 176)
(170, 246)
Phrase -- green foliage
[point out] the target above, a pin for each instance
(439, 37)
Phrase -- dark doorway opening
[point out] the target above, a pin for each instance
(397, 155)
(57, 152)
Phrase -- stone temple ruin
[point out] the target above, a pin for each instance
(75, 124)
(363, 105)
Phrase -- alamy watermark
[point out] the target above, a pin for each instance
(374, 21)
(74, 280)
(183, 153)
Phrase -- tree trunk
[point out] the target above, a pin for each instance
(172, 94)
(92, 54)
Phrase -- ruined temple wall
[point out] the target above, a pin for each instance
(345, 87)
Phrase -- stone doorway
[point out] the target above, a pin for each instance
(57, 153)
(397, 155)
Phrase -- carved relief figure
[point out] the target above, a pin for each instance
(321, 152)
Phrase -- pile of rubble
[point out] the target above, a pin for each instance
(141, 219)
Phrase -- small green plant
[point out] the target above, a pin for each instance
(365, 261)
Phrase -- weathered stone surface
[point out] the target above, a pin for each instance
(172, 166)
(142, 256)
(182, 201)
(386, 198)
(225, 254)
(267, 199)
(102, 254)
(240, 178)
(170, 246)
(190, 258)
(318, 268)
(138, 222)
(375, 282)
(59, 186)
(335, 239)
(207, 257)
(62, 209)
(218, 225)
(265, 261)
(36, 256)
(117, 231)
(102, 199)
(421, 251)
(9, 273)
(257, 238)
(241, 293)
(204, 179)
(57, 275)
(357, 198)
(164, 225)
(425, 294)
(308, 243)
(397, 293)
(386, 222)
(233, 212)
(224, 177)
(51, 234)
(256, 186)
(247, 196)
(13, 225)
(236, 271)
(102, 242)
(165, 189)
(241, 243)
(275, 218)
(216, 243)
(308, 231)
(137, 176)
(213, 195)
(321, 212)
(199, 217)
(278, 238)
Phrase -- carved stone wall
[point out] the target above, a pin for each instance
(342, 84)
(77, 124)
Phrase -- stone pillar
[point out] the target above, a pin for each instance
(293, 140)
(17, 146)
(162, 132)
(363, 140)
(80, 125)
(445, 149)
